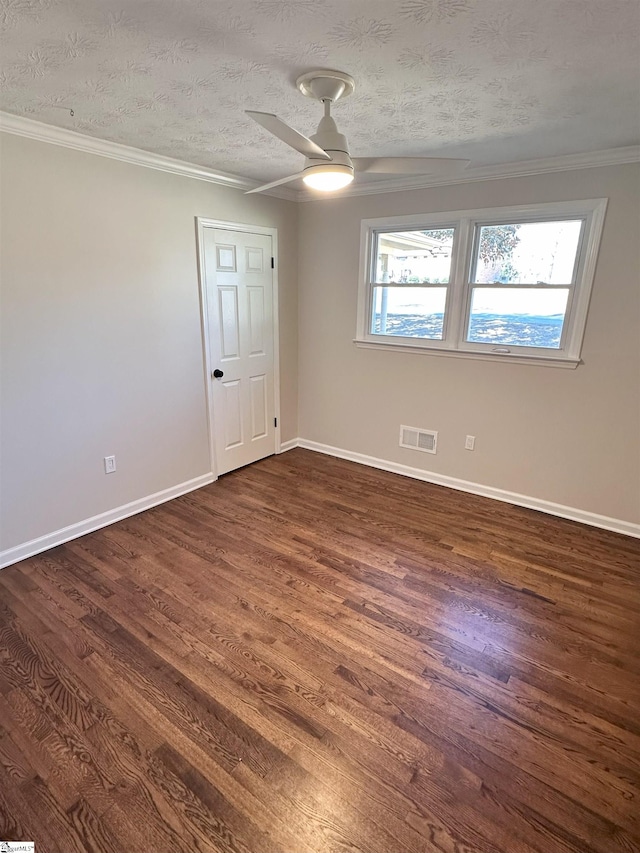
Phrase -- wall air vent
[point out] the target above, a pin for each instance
(418, 439)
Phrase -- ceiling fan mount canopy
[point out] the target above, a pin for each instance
(326, 85)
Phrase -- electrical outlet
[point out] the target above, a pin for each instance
(109, 464)
(470, 442)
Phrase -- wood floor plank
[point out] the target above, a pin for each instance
(312, 656)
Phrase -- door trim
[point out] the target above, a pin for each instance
(220, 225)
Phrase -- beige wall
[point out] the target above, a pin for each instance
(567, 436)
(101, 344)
(101, 349)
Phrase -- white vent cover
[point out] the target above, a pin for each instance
(418, 439)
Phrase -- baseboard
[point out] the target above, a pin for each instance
(593, 519)
(58, 537)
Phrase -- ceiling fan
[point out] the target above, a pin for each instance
(328, 165)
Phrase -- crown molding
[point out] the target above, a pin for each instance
(21, 126)
(519, 169)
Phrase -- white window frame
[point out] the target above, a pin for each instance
(459, 289)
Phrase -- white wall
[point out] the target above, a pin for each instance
(101, 343)
(571, 437)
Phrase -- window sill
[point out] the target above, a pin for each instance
(537, 360)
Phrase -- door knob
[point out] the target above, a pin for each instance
(217, 374)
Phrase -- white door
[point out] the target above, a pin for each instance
(239, 301)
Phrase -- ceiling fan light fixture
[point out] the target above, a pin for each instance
(326, 177)
(328, 165)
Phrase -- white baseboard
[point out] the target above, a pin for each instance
(593, 519)
(58, 537)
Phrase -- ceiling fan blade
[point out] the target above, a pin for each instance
(288, 135)
(275, 183)
(409, 165)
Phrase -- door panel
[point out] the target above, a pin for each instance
(239, 298)
(258, 407)
(231, 403)
(256, 320)
(254, 259)
(226, 258)
(229, 325)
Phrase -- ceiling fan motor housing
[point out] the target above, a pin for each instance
(334, 143)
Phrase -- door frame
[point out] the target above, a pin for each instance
(203, 222)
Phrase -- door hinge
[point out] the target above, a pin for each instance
(275, 422)
(273, 263)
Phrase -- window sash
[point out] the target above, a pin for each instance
(471, 285)
(385, 315)
(479, 224)
(400, 285)
(480, 346)
(523, 349)
(372, 283)
(376, 234)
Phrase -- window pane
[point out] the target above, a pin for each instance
(418, 257)
(410, 312)
(528, 253)
(517, 316)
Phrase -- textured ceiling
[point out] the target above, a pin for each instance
(493, 80)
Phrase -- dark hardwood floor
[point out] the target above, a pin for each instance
(313, 656)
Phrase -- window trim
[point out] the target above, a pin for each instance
(459, 288)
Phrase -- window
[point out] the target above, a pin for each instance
(506, 283)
